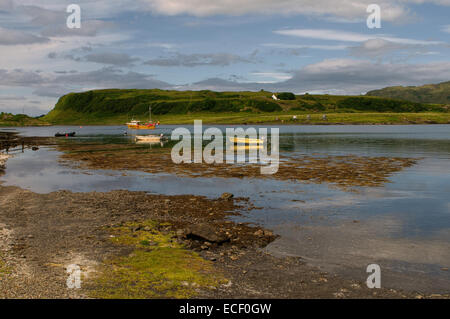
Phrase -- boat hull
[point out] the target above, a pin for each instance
(141, 127)
(148, 138)
(240, 140)
(72, 134)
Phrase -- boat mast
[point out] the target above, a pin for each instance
(150, 113)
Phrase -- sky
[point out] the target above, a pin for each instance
(314, 46)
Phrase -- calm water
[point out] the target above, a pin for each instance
(403, 226)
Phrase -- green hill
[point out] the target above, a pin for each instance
(115, 106)
(7, 119)
(430, 93)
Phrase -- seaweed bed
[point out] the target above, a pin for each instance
(342, 171)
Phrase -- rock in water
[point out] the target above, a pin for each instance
(227, 196)
(206, 232)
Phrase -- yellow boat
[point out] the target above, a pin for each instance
(242, 140)
(247, 147)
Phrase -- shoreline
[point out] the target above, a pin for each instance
(75, 228)
(242, 124)
(275, 118)
(270, 118)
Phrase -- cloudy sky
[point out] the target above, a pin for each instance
(317, 46)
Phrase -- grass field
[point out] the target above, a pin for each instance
(275, 118)
(8, 120)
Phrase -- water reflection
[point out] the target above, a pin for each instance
(404, 225)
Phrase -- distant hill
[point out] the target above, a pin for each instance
(430, 93)
(117, 105)
(8, 119)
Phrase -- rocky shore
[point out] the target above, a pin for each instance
(42, 234)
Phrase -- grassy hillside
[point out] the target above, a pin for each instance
(116, 106)
(7, 119)
(431, 93)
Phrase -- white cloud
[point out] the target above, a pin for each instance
(51, 84)
(446, 28)
(379, 48)
(345, 9)
(20, 77)
(199, 59)
(305, 46)
(89, 29)
(345, 36)
(271, 77)
(167, 46)
(119, 59)
(12, 98)
(6, 5)
(350, 76)
(342, 76)
(109, 78)
(438, 2)
(14, 37)
(40, 16)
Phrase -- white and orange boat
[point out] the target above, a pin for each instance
(138, 125)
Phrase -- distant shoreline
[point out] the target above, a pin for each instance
(244, 124)
(263, 118)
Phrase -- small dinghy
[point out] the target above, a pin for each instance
(151, 138)
(71, 134)
(242, 140)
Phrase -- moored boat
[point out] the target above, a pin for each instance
(66, 134)
(247, 147)
(151, 138)
(138, 125)
(245, 140)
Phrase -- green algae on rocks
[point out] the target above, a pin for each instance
(157, 267)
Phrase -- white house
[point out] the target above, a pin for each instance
(274, 97)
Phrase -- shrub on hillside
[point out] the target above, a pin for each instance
(380, 105)
(286, 96)
(263, 105)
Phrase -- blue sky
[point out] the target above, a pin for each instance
(321, 46)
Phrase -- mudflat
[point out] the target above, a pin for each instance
(44, 233)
